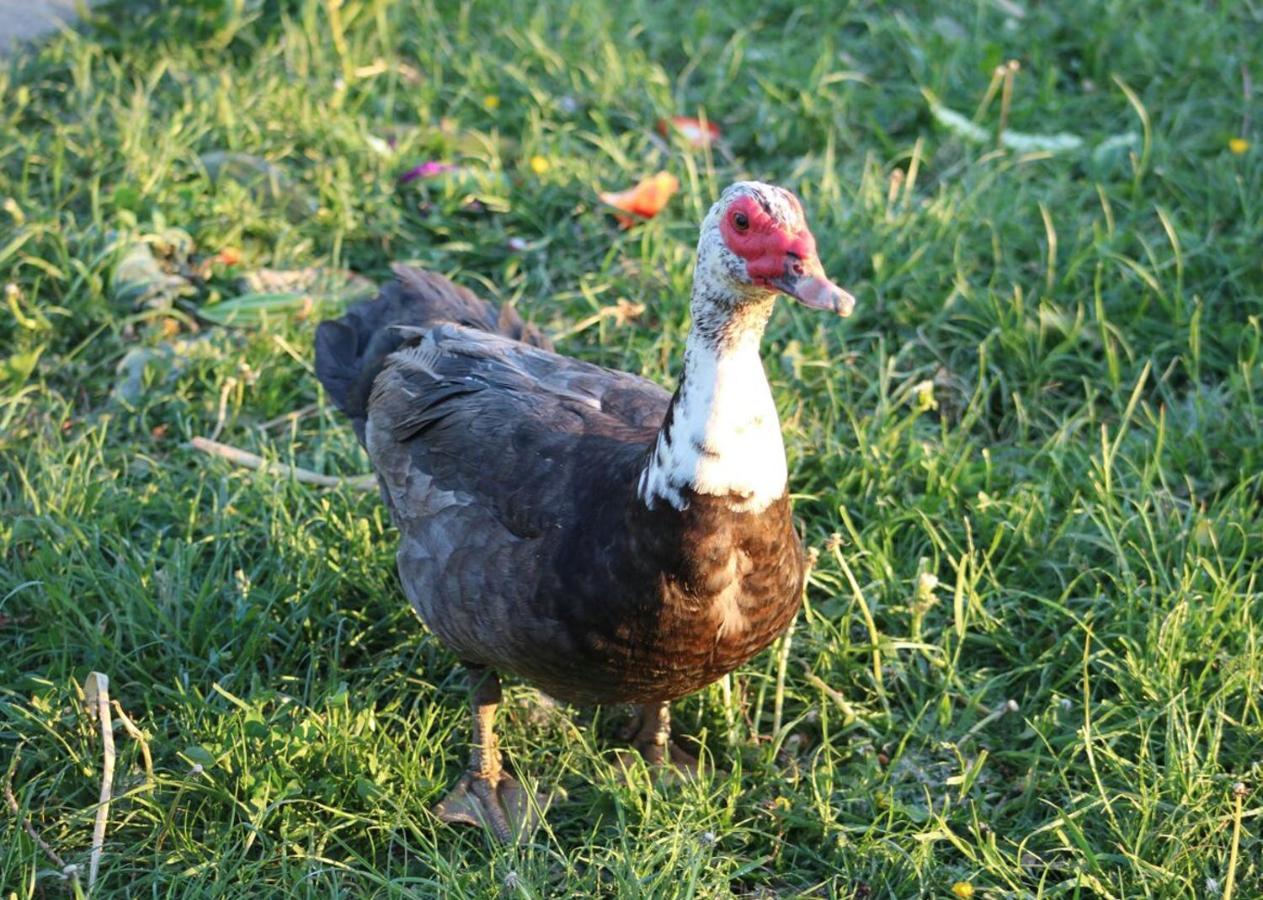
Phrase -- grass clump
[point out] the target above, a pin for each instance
(1030, 659)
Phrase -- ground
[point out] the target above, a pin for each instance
(1031, 653)
(27, 21)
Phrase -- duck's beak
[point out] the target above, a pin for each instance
(805, 281)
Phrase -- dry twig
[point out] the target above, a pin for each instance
(622, 312)
(305, 476)
(96, 695)
(290, 417)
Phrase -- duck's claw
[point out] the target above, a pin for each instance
(676, 765)
(650, 736)
(504, 808)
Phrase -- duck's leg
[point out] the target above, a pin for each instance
(650, 734)
(487, 794)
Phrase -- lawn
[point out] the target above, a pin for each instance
(1030, 658)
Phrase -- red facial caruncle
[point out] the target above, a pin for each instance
(778, 258)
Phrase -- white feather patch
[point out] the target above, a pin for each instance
(725, 437)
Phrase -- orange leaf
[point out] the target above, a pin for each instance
(697, 135)
(645, 200)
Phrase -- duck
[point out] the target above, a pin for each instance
(577, 527)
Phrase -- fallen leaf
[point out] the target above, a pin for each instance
(379, 146)
(457, 187)
(1022, 142)
(697, 134)
(409, 73)
(282, 292)
(250, 309)
(157, 365)
(326, 283)
(146, 272)
(645, 200)
(429, 169)
(624, 312)
(266, 181)
(1117, 147)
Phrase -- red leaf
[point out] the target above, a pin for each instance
(645, 200)
(697, 134)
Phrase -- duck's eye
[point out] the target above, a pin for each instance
(740, 221)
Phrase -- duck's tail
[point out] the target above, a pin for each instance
(351, 351)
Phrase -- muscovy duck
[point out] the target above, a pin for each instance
(574, 526)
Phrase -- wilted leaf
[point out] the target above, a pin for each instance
(470, 190)
(379, 146)
(429, 169)
(1116, 148)
(1018, 141)
(645, 200)
(325, 283)
(145, 277)
(697, 134)
(250, 309)
(169, 359)
(293, 292)
(265, 181)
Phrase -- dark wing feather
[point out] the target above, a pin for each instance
(517, 430)
(351, 351)
(495, 455)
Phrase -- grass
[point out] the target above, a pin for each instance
(1030, 464)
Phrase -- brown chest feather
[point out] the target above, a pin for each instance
(693, 595)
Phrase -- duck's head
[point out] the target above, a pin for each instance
(755, 243)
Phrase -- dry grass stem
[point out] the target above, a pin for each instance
(258, 463)
(96, 696)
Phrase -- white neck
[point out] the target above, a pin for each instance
(722, 437)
